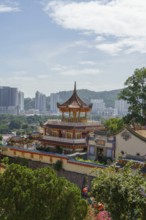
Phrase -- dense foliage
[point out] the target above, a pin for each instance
(27, 194)
(135, 94)
(114, 125)
(123, 192)
(21, 124)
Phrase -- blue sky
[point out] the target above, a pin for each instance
(46, 45)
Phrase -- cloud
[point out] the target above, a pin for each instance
(116, 25)
(87, 62)
(79, 72)
(9, 8)
(43, 76)
(19, 73)
(128, 44)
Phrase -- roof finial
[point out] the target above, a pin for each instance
(75, 87)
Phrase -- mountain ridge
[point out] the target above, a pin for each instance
(109, 97)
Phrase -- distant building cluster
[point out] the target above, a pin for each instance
(11, 100)
(99, 108)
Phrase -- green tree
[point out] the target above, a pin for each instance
(27, 194)
(5, 160)
(24, 126)
(15, 124)
(1, 138)
(135, 94)
(4, 129)
(121, 192)
(114, 124)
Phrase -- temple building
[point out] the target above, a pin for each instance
(69, 133)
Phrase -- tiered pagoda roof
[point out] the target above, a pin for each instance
(74, 102)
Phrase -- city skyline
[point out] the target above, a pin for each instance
(48, 45)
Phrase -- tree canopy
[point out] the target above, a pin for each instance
(114, 125)
(27, 194)
(135, 95)
(21, 124)
(123, 192)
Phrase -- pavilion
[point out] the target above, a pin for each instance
(70, 133)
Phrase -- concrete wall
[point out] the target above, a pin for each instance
(68, 171)
(48, 158)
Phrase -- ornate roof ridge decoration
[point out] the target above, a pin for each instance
(74, 102)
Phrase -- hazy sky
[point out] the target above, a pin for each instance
(47, 45)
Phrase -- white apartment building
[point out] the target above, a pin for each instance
(54, 98)
(122, 107)
(40, 102)
(98, 106)
(21, 101)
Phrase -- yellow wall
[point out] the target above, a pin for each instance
(52, 159)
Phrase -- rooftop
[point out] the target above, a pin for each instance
(74, 102)
(141, 132)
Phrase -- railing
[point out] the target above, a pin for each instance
(72, 124)
(81, 120)
(65, 140)
(135, 157)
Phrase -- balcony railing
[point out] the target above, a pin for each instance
(78, 120)
(64, 140)
(71, 124)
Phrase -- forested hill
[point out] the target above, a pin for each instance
(108, 96)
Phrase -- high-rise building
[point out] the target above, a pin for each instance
(54, 98)
(122, 107)
(8, 100)
(98, 106)
(40, 102)
(21, 101)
